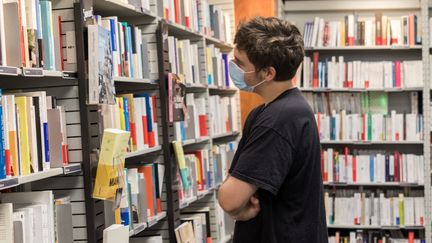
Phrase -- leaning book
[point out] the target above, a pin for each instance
(108, 183)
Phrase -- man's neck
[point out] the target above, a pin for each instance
(274, 90)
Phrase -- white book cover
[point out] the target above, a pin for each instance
(315, 31)
(28, 198)
(116, 233)
(419, 211)
(6, 223)
(320, 33)
(20, 230)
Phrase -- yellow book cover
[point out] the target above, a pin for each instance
(342, 32)
(13, 139)
(209, 66)
(132, 125)
(178, 151)
(110, 168)
(198, 170)
(121, 111)
(24, 146)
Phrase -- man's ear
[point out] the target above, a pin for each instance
(269, 73)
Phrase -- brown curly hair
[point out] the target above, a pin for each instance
(271, 42)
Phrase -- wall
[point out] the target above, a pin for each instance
(245, 9)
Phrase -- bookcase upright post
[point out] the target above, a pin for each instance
(427, 117)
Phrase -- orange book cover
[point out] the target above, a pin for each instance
(148, 177)
(411, 31)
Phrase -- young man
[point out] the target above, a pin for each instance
(274, 190)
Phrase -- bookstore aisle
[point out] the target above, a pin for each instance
(366, 75)
(118, 120)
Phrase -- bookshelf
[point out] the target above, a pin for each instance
(302, 12)
(155, 28)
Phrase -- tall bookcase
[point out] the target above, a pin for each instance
(156, 30)
(300, 12)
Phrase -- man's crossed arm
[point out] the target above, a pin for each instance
(238, 199)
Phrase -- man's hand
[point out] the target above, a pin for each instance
(250, 211)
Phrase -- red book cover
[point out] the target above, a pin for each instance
(315, 70)
(61, 43)
(187, 21)
(145, 130)
(364, 122)
(148, 177)
(354, 168)
(65, 154)
(396, 166)
(176, 11)
(133, 134)
(324, 173)
(378, 29)
(203, 125)
(411, 32)
(319, 123)
(398, 73)
(410, 237)
(151, 136)
(8, 162)
(200, 179)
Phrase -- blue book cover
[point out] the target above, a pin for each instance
(332, 128)
(225, 61)
(46, 141)
(2, 137)
(371, 168)
(126, 114)
(47, 34)
(113, 35)
(129, 43)
(124, 209)
(148, 110)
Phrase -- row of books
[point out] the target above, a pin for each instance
(141, 195)
(223, 115)
(200, 16)
(338, 73)
(35, 217)
(362, 209)
(369, 127)
(137, 114)
(353, 30)
(217, 67)
(142, 5)
(198, 173)
(120, 233)
(33, 134)
(359, 103)
(34, 34)
(223, 155)
(371, 167)
(195, 124)
(194, 174)
(194, 227)
(184, 58)
(372, 236)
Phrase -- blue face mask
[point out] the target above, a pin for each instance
(237, 75)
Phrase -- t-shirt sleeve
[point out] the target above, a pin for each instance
(265, 160)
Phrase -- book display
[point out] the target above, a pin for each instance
(364, 77)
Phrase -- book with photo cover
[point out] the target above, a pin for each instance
(101, 82)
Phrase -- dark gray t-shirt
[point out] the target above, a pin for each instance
(280, 154)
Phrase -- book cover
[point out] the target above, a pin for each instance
(108, 181)
(101, 83)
